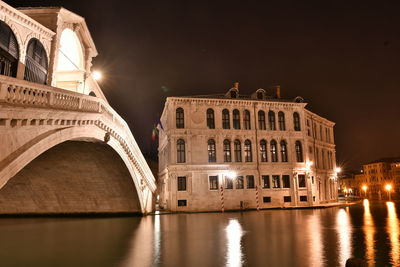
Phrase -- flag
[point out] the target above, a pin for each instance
(154, 134)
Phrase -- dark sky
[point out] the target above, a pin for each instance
(342, 57)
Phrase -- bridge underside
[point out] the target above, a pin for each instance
(71, 178)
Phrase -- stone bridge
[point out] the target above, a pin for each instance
(36, 123)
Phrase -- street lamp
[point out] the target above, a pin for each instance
(364, 188)
(96, 75)
(338, 169)
(388, 188)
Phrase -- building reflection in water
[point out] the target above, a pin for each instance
(393, 232)
(344, 232)
(316, 246)
(157, 239)
(369, 234)
(234, 233)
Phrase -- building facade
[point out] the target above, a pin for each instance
(232, 151)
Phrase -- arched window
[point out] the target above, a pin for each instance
(263, 151)
(281, 121)
(180, 149)
(210, 119)
(299, 152)
(227, 151)
(296, 121)
(236, 119)
(180, 118)
(36, 62)
(271, 120)
(274, 153)
(212, 154)
(225, 119)
(92, 94)
(248, 156)
(284, 154)
(9, 52)
(238, 151)
(246, 119)
(261, 120)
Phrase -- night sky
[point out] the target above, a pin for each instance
(342, 57)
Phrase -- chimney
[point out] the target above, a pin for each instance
(278, 91)
(236, 85)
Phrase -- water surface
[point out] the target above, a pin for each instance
(320, 237)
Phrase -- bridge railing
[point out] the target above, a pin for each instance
(22, 93)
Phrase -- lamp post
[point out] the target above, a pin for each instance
(364, 188)
(388, 188)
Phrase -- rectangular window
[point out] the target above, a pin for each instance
(250, 181)
(213, 182)
(181, 183)
(302, 180)
(276, 183)
(228, 183)
(182, 203)
(239, 182)
(266, 199)
(312, 179)
(313, 198)
(287, 199)
(303, 198)
(265, 179)
(286, 181)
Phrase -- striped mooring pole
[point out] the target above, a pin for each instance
(222, 199)
(257, 201)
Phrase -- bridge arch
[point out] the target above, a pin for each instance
(31, 150)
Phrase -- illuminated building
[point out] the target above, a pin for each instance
(234, 151)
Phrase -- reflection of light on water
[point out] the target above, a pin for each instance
(157, 239)
(234, 233)
(316, 245)
(369, 232)
(393, 231)
(343, 228)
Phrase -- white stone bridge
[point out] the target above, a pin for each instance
(35, 118)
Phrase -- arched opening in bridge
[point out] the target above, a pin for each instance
(71, 178)
(36, 62)
(70, 73)
(9, 52)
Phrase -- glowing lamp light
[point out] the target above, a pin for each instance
(364, 187)
(388, 187)
(308, 165)
(338, 169)
(96, 75)
(230, 174)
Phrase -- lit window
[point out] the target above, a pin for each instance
(271, 120)
(227, 151)
(212, 155)
(276, 183)
(247, 151)
(263, 151)
(284, 154)
(210, 119)
(274, 154)
(213, 182)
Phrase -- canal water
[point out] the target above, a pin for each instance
(320, 237)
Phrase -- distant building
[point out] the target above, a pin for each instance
(232, 151)
(379, 173)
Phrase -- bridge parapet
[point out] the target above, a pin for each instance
(48, 109)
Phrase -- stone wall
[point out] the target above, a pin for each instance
(72, 177)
